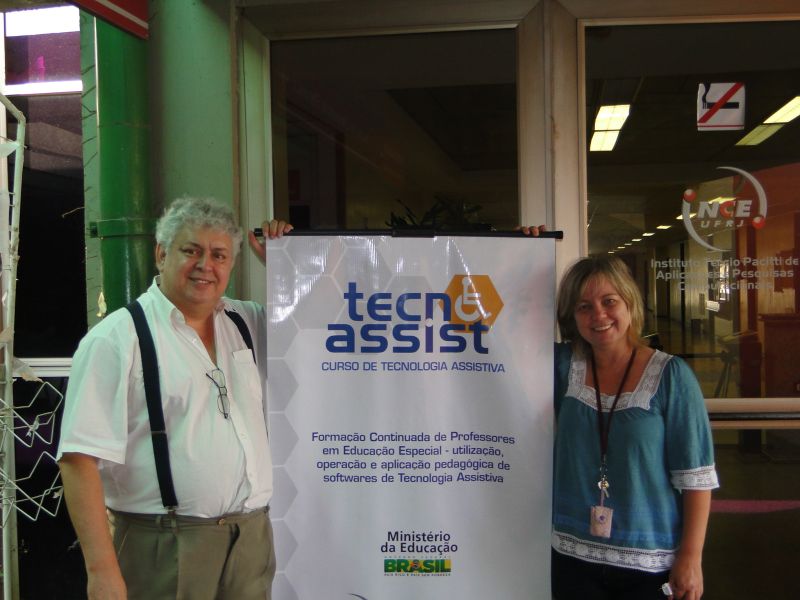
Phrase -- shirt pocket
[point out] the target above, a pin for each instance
(248, 378)
(244, 356)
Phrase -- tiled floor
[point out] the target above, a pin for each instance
(753, 554)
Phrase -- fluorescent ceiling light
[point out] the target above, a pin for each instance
(43, 87)
(39, 21)
(720, 199)
(759, 134)
(786, 113)
(627, 244)
(648, 234)
(636, 240)
(772, 124)
(620, 247)
(691, 215)
(611, 117)
(663, 226)
(603, 141)
(609, 120)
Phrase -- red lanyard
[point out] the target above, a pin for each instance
(602, 427)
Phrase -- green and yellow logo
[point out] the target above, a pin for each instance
(414, 565)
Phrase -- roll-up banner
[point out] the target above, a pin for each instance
(410, 395)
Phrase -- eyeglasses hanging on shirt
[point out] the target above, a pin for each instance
(217, 377)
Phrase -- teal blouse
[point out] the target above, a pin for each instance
(659, 444)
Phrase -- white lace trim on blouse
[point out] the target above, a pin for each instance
(639, 398)
(652, 561)
(701, 478)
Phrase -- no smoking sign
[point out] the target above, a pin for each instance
(720, 106)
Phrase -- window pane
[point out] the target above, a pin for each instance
(51, 290)
(42, 45)
(370, 126)
(708, 225)
(720, 282)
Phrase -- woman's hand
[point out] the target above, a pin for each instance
(533, 230)
(272, 230)
(686, 578)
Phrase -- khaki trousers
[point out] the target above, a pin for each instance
(191, 558)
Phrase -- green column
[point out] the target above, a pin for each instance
(125, 209)
(192, 65)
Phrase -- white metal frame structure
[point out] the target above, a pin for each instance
(23, 424)
(9, 244)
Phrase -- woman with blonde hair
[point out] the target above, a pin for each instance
(634, 462)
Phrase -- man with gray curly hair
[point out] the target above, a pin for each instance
(194, 213)
(164, 452)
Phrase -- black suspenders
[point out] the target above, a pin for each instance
(152, 392)
(243, 330)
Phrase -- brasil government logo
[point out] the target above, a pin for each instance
(723, 213)
(417, 566)
(405, 323)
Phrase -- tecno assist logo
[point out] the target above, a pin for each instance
(405, 324)
(473, 298)
(723, 213)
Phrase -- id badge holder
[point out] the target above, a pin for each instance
(601, 516)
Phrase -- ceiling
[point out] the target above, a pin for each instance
(283, 19)
(293, 19)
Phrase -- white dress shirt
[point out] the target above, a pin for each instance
(219, 466)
